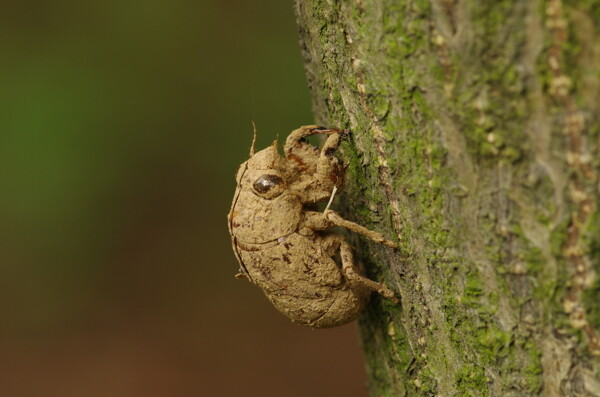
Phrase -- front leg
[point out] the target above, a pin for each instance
(303, 156)
(296, 138)
(319, 171)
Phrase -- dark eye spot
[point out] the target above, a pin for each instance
(266, 182)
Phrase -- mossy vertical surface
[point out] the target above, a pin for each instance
(475, 144)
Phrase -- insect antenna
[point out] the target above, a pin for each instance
(253, 139)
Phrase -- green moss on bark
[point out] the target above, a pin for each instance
(459, 148)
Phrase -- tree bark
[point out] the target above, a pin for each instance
(475, 144)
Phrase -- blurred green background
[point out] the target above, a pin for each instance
(122, 124)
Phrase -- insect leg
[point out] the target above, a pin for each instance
(354, 276)
(314, 220)
(329, 171)
(296, 136)
(337, 220)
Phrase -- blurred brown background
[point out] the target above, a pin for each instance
(122, 124)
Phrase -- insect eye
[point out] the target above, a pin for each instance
(269, 185)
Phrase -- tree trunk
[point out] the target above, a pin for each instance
(475, 144)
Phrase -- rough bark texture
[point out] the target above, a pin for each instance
(475, 142)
